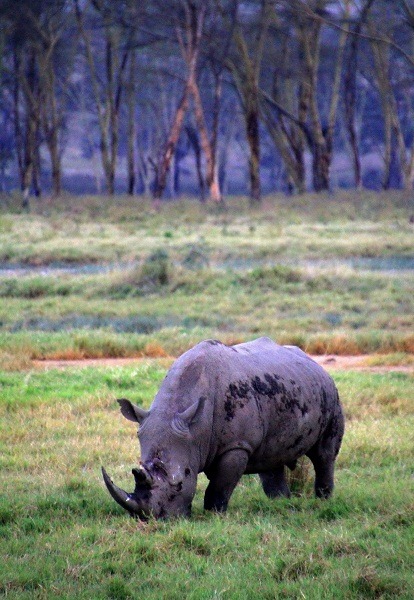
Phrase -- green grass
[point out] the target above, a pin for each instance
(63, 536)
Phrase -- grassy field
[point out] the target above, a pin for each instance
(64, 537)
(124, 280)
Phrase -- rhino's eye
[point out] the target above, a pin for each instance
(159, 466)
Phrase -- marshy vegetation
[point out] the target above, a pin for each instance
(93, 279)
(160, 282)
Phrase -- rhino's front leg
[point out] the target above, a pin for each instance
(224, 475)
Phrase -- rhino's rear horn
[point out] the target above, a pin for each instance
(119, 495)
(142, 477)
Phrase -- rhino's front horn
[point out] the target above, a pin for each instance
(119, 495)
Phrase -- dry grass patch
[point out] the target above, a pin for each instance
(10, 361)
(389, 360)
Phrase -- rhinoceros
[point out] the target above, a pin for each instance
(229, 411)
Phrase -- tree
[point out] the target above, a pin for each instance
(386, 28)
(38, 73)
(350, 87)
(189, 30)
(287, 126)
(321, 127)
(107, 91)
(245, 63)
(316, 113)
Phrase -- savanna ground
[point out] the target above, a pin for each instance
(98, 279)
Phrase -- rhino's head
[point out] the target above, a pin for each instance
(166, 481)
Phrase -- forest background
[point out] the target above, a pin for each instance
(207, 97)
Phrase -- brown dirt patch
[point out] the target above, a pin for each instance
(329, 362)
(358, 363)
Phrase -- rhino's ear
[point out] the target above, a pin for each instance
(182, 421)
(131, 411)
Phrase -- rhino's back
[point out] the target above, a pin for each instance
(273, 400)
(259, 362)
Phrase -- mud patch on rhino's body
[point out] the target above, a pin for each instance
(237, 396)
(230, 408)
(274, 388)
(271, 387)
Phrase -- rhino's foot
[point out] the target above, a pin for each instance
(324, 473)
(323, 492)
(274, 483)
(215, 501)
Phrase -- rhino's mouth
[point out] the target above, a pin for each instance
(140, 503)
(136, 501)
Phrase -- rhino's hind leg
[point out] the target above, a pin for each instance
(274, 483)
(323, 456)
(324, 475)
(224, 475)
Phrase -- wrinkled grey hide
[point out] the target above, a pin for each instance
(227, 411)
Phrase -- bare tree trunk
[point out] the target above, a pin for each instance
(50, 115)
(131, 125)
(194, 28)
(224, 150)
(408, 181)
(297, 140)
(37, 166)
(113, 117)
(386, 179)
(56, 166)
(102, 113)
(292, 155)
(211, 171)
(218, 88)
(195, 143)
(164, 164)
(287, 131)
(253, 139)
(320, 168)
(18, 135)
(245, 71)
(405, 154)
(350, 104)
(382, 65)
(395, 139)
(30, 165)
